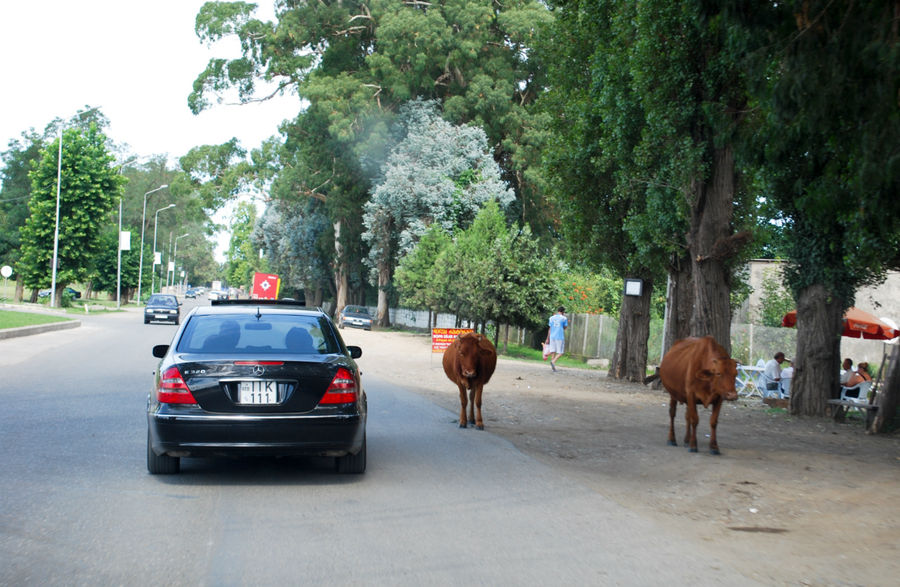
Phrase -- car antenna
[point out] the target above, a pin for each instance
(258, 314)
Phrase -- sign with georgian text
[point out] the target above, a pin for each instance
(441, 338)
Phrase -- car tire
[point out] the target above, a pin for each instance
(341, 325)
(161, 464)
(146, 321)
(177, 321)
(353, 464)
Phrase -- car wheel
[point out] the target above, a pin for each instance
(341, 325)
(177, 321)
(354, 464)
(146, 321)
(161, 464)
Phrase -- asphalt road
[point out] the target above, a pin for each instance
(437, 505)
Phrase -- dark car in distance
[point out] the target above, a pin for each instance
(356, 317)
(162, 308)
(71, 292)
(256, 377)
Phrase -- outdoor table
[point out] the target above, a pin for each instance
(747, 380)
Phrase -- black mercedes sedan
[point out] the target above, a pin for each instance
(256, 377)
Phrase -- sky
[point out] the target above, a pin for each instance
(134, 59)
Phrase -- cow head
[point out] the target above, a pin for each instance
(470, 346)
(721, 373)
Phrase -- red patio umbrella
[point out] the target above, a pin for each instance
(857, 324)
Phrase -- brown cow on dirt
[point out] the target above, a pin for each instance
(469, 362)
(697, 371)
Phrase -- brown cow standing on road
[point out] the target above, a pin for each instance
(469, 362)
(697, 371)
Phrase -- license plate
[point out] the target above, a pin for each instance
(260, 392)
(162, 316)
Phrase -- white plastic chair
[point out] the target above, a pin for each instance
(858, 394)
(786, 388)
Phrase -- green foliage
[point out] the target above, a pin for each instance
(90, 187)
(15, 193)
(415, 277)
(353, 64)
(775, 300)
(589, 293)
(830, 150)
(242, 258)
(107, 262)
(437, 173)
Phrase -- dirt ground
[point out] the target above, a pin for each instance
(789, 501)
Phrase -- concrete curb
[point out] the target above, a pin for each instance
(38, 329)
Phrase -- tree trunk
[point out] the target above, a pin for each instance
(382, 314)
(340, 271)
(679, 302)
(20, 289)
(818, 356)
(629, 360)
(887, 398)
(708, 241)
(505, 337)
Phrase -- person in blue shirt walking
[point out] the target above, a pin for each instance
(556, 337)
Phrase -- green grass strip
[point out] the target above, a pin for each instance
(9, 319)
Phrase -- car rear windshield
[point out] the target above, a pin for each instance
(268, 334)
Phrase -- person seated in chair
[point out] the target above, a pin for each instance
(772, 372)
(846, 370)
(860, 375)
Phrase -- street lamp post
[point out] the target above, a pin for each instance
(155, 221)
(175, 255)
(141, 265)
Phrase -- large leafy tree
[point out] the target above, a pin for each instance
(14, 195)
(437, 173)
(829, 91)
(293, 236)
(356, 62)
(90, 186)
(650, 137)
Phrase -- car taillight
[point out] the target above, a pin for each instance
(342, 389)
(172, 388)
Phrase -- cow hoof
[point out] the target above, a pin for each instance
(480, 427)
(462, 425)
(693, 450)
(672, 443)
(714, 451)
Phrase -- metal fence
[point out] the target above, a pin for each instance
(593, 336)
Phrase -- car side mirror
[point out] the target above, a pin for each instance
(160, 350)
(355, 352)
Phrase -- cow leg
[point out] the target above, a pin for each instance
(476, 401)
(472, 406)
(713, 422)
(691, 418)
(462, 409)
(673, 406)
